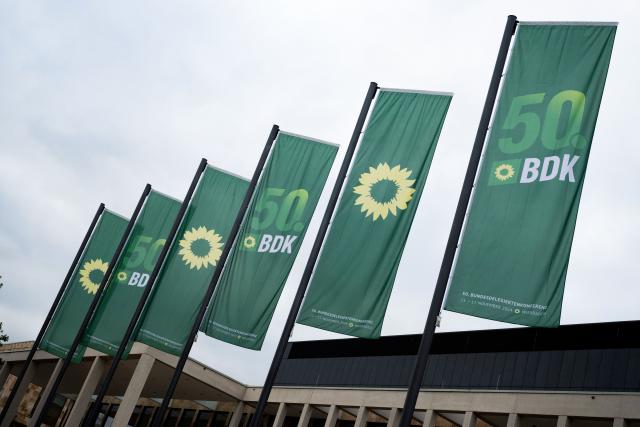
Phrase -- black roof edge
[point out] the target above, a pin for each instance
(614, 334)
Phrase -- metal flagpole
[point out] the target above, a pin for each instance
(456, 228)
(52, 310)
(90, 419)
(94, 304)
(315, 251)
(159, 415)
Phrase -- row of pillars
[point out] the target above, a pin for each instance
(332, 417)
(470, 418)
(142, 371)
(98, 367)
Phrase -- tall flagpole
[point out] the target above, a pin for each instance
(311, 262)
(52, 310)
(90, 419)
(214, 280)
(456, 228)
(94, 304)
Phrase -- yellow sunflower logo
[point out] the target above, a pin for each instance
(504, 172)
(91, 274)
(384, 189)
(122, 276)
(200, 248)
(249, 242)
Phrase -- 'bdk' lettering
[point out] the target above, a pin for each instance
(552, 167)
(277, 243)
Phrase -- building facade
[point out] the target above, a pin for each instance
(579, 375)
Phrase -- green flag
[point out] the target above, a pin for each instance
(131, 274)
(180, 287)
(83, 285)
(354, 276)
(272, 232)
(514, 253)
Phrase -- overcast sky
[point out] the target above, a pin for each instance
(99, 98)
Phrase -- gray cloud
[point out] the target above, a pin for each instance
(100, 98)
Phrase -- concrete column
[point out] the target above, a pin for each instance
(563, 421)
(4, 373)
(394, 417)
(280, 415)
(332, 416)
(513, 420)
(469, 419)
(13, 408)
(429, 418)
(237, 415)
(132, 394)
(305, 416)
(361, 419)
(619, 422)
(44, 394)
(87, 390)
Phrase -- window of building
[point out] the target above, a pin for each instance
(53, 411)
(219, 419)
(135, 415)
(145, 416)
(172, 417)
(187, 417)
(102, 414)
(203, 419)
(113, 409)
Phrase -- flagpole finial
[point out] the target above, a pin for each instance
(514, 22)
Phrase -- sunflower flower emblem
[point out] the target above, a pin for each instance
(200, 248)
(249, 242)
(90, 276)
(396, 197)
(504, 172)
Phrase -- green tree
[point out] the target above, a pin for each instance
(3, 337)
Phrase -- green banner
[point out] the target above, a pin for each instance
(514, 252)
(131, 275)
(268, 243)
(180, 288)
(83, 285)
(354, 276)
